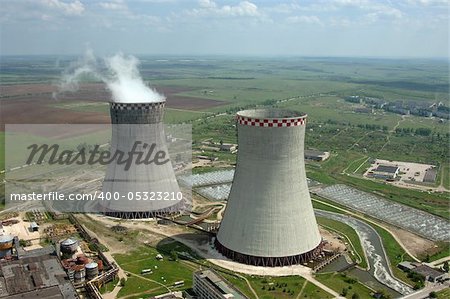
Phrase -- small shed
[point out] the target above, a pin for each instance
(34, 227)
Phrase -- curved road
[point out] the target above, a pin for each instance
(374, 250)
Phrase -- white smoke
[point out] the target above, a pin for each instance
(119, 73)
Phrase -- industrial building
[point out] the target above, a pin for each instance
(34, 227)
(228, 147)
(269, 219)
(82, 269)
(385, 172)
(429, 273)
(407, 266)
(37, 274)
(430, 175)
(209, 285)
(138, 122)
(316, 155)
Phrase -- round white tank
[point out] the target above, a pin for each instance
(69, 245)
(6, 242)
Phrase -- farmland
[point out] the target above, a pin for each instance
(206, 92)
(197, 89)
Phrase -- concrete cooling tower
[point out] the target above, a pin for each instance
(269, 219)
(131, 123)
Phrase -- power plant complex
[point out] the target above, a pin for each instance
(269, 219)
(139, 127)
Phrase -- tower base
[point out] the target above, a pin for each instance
(269, 261)
(144, 214)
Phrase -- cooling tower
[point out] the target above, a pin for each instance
(269, 218)
(142, 123)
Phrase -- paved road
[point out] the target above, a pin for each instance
(439, 261)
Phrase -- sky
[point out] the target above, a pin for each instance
(351, 28)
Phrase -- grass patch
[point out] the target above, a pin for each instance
(108, 287)
(165, 271)
(321, 206)
(340, 281)
(136, 286)
(285, 287)
(444, 294)
(442, 250)
(175, 116)
(239, 283)
(276, 287)
(446, 175)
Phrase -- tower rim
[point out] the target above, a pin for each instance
(271, 114)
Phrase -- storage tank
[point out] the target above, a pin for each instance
(6, 245)
(91, 270)
(269, 218)
(80, 274)
(69, 245)
(6, 242)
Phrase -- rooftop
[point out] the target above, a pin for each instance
(428, 271)
(68, 242)
(38, 274)
(387, 168)
(314, 153)
(270, 113)
(219, 283)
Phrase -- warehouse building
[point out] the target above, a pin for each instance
(385, 172)
(429, 273)
(316, 155)
(430, 175)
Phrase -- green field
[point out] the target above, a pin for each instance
(276, 287)
(144, 257)
(165, 272)
(444, 294)
(316, 86)
(171, 115)
(330, 172)
(285, 287)
(340, 281)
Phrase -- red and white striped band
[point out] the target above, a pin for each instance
(271, 122)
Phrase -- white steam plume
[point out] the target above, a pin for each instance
(120, 74)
